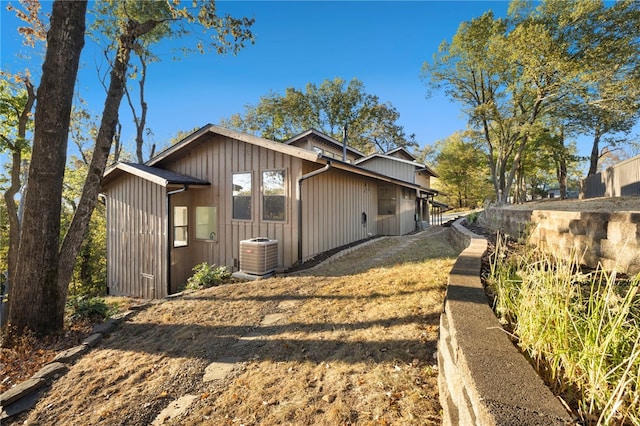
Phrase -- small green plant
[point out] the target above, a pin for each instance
(473, 217)
(206, 275)
(81, 308)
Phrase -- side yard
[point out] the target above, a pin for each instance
(351, 341)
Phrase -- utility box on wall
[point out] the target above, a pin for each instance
(258, 256)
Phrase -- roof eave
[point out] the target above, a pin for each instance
(244, 137)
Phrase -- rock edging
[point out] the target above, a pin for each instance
(24, 395)
(483, 378)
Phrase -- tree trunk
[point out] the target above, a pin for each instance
(9, 196)
(562, 167)
(35, 302)
(89, 198)
(595, 154)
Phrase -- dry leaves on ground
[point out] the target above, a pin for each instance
(356, 345)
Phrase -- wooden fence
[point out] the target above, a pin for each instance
(619, 180)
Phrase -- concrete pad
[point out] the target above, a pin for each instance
(250, 277)
(174, 409)
(250, 338)
(218, 370)
(287, 305)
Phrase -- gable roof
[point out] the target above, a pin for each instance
(244, 137)
(429, 170)
(156, 175)
(401, 152)
(419, 166)
(152, 170)
(325, 138)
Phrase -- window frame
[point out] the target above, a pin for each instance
(263, 196)
(394, 198)
(215, 224)
(250, 196)
(184, 227)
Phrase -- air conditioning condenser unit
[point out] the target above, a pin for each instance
(258, 256)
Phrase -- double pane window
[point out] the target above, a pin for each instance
(180, 226)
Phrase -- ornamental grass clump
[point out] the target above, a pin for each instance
(580, 330)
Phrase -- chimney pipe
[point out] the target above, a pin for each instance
(344, 144)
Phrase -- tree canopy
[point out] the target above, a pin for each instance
(462, 171)
(554, 58)
(330, 107)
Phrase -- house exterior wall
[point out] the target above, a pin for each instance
(423, 179)
(333, 204)
(140, 235)
(396, 169)
(215, 161)
(136, 238)
(407, 207)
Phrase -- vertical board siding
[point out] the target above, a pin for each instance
(623, 179)
(333, 203)
(137, 238)
(396, 169)
(216, 160)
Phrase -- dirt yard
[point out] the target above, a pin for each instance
(354, 343)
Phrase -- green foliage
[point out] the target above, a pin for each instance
(90, 272)
(84, 308)
(206, 275)
(329, 107)
(462, 171)
(473, 217)
(171, 20)
(582, 331)
(577, 61)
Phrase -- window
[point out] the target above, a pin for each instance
(180, 225)
(206, 223)
(273, 195)
(241, 196)
(386, 200)
(407, 193)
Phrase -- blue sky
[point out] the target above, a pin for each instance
(383, 44)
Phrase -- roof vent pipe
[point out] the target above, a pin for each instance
(344, 144)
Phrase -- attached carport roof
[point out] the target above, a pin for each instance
(440, 205)
(156, 175)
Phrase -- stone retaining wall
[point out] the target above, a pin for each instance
(611, 239)
(483, 379)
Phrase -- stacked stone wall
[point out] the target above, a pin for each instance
(483, 378)
(611, 239)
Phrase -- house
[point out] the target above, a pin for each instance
(400, 164)
(196, 201)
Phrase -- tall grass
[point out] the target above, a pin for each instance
(580, 330)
